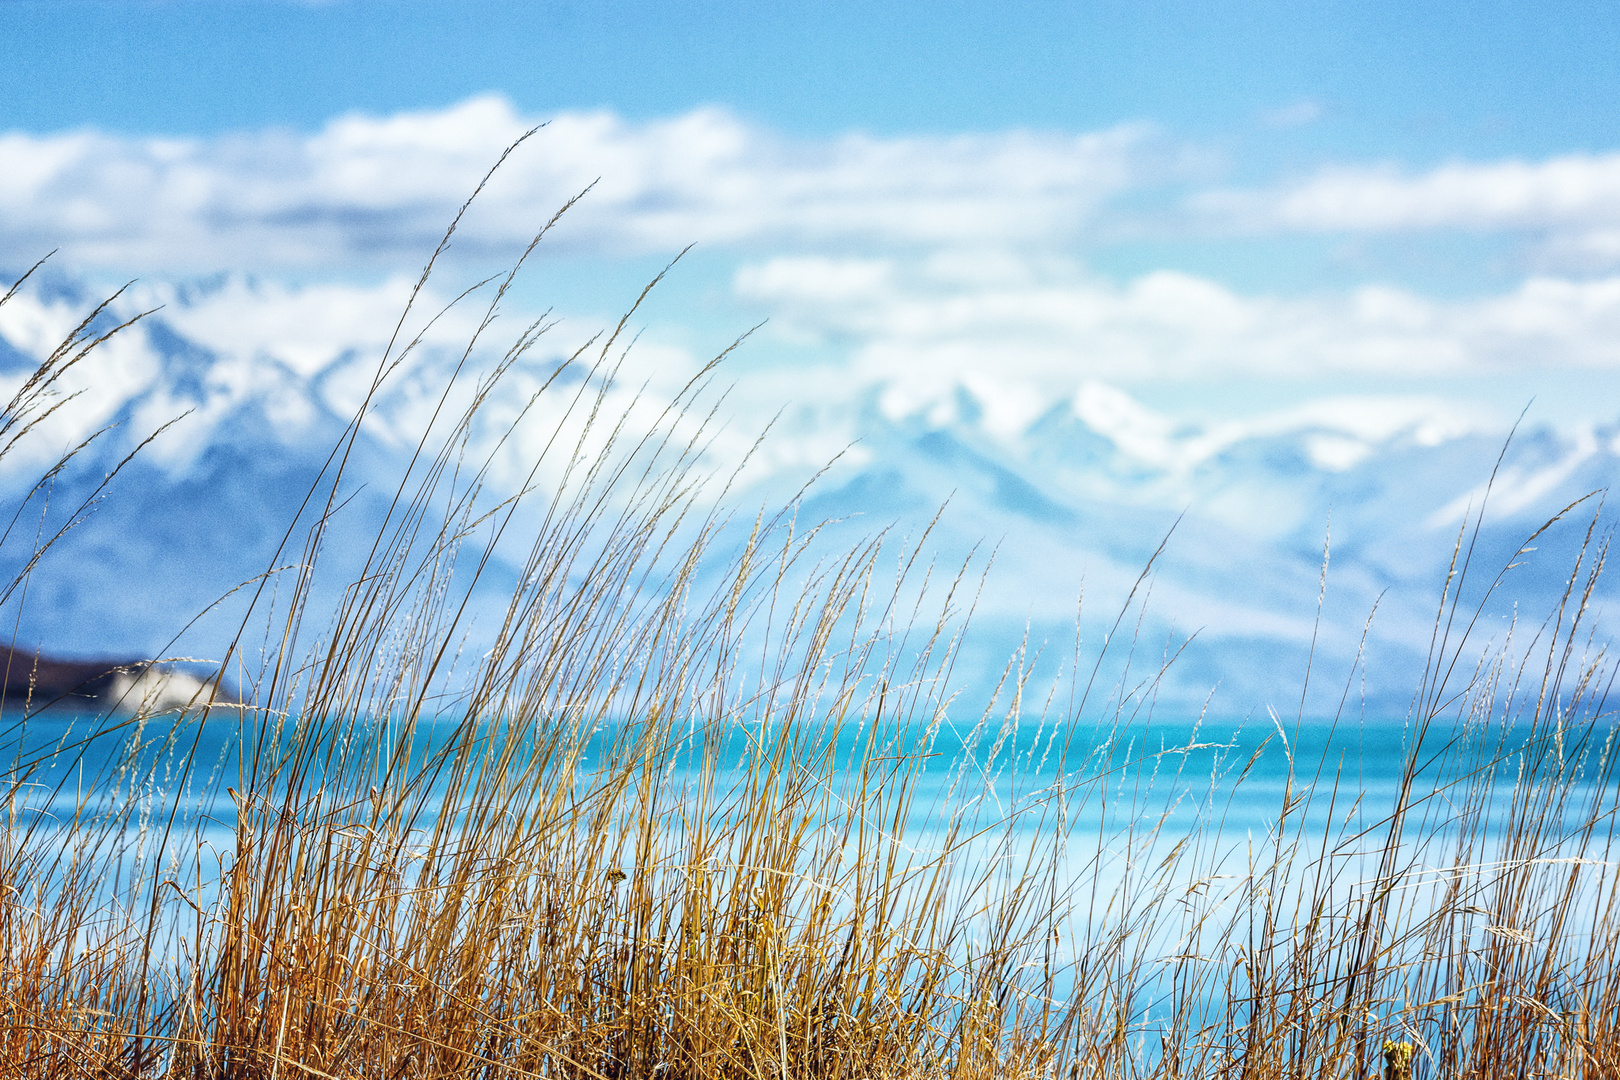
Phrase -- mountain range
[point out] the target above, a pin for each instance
(1062, 516)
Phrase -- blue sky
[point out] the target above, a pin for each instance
(1420, 82)
(1222, 209)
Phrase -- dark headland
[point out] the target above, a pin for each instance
(135, 684)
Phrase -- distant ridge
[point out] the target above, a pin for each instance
(136, 685)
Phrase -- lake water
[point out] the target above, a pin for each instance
(1173, 822)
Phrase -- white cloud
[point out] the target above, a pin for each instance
(1572, 200)
(366, 190)
(1579, 250)
(1056, 326)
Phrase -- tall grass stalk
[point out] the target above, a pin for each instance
(700, 804)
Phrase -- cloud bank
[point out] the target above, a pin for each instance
(897, 273)
(1568, 206)
(936, 320)
(367, 191)
(1574, 190)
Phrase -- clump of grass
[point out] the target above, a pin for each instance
(703, 806)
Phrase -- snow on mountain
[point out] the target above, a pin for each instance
(1073, 496)
(1079, 501)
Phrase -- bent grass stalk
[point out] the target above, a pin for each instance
(698, 808)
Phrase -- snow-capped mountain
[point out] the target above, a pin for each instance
(1073, 504)
(1246, 521)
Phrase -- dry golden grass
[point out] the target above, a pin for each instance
(682, 819)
